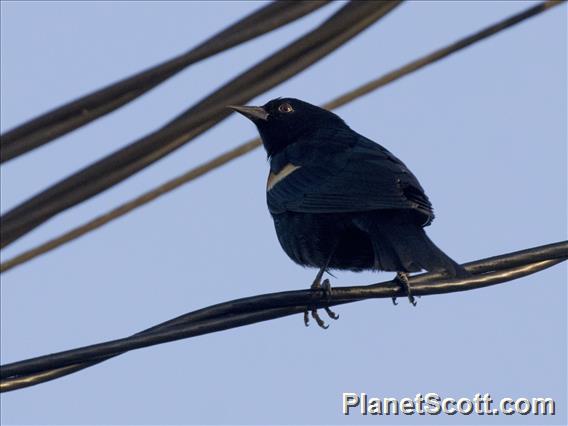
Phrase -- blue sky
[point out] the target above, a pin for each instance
(484, 131)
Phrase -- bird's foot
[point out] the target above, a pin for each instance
(402, 277)
(326, 287)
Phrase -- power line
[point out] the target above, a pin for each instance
(79, 112)
(342, 26)
(236, 313)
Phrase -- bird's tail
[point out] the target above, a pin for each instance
(405, 247)
(432, 259)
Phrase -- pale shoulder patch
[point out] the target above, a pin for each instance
(273, 179)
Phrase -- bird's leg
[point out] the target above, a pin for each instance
(317, 280)
(316, 284)
(402, 277)
(326, 287)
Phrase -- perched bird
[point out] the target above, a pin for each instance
(340, 200)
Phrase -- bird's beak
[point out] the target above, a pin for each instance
(251, 112)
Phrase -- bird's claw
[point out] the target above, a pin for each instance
(403, 279)
(318, 319)
(330, 313)
(315, 316)
(326, 288)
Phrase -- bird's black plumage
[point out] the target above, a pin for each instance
(340, 200)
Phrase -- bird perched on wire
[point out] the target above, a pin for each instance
(340, 200)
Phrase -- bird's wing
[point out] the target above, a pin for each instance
(340, 178)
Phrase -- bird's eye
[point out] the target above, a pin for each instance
(285, 107)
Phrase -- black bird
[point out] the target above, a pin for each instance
(340, 200)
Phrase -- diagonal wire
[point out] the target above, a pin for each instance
(79, 112)
(236, 313)
(114, 168)
(254, 143)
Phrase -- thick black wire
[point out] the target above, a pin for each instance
(79, 112)
(338, 29)
(250, 310)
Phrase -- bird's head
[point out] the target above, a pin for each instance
(284, 121)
